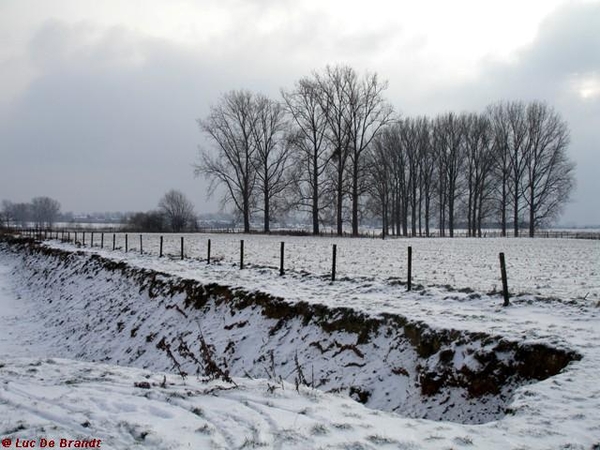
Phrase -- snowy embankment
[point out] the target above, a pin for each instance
(435, 354)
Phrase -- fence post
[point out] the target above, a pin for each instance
(160, 252)
(181, 247)
(102, 240)
(141, 246)
(281, 271)
(241, 254)
(409, 274)
(83, 239)
(208, 256)
(126, 242)
(114, 241)
(75, 238)
(504, 279)
(68, 236)
(333, 263)
(92, 240)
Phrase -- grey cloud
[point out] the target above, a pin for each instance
(566, 46)
(107, 135)
(109, 123)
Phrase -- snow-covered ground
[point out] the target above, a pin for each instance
(43, 396)
(560, 268)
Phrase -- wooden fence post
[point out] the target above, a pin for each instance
(409, 274)
(281, 256)
(333, 262)
(92, 240)
(126, 242)
(102, 240)
(83, 239)
(241, 254)
(208, 256)
(141, 246)
(75, 238)
(181, 247)
(160, 252)
(114, 241)
(504, 279)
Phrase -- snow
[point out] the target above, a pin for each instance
(43, 395)
(559, 268)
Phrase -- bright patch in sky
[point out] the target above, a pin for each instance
(589, 86)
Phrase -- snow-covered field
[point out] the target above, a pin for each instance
(559, 268)
(43, 396)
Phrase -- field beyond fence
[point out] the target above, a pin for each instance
(567, 268)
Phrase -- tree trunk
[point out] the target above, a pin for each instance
(315, 200)
(246, 216)
(427, 205)
(516, 216)
(355, 200)
(451, 216)
(531, 212)
(267, 227)
(340, 199)
(503, 205)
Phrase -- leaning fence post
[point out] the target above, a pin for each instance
(181, 247)
(333, 262)
(409, 274)
(160, 252)
(282, 252)
(504, 279)
(208, 256)
(241, 254)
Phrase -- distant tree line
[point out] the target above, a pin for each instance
(41, 212)
(175, 213)
(333, 148)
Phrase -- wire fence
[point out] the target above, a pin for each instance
(565, 267)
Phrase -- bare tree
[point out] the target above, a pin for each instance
(44, 211)
(333, 97)
(548, 176)
(400, 179)
(230, 126)
(177, 210)
(517, 139)
(449, 148)
(497, 114)
(478, 137)
(311, 154)
(367, 112)
(18, 213)
(426, 167)
(271, 161)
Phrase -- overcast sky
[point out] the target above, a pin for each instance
(99, 99)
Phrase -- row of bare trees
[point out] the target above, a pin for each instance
(507, 165)
(332, 148)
